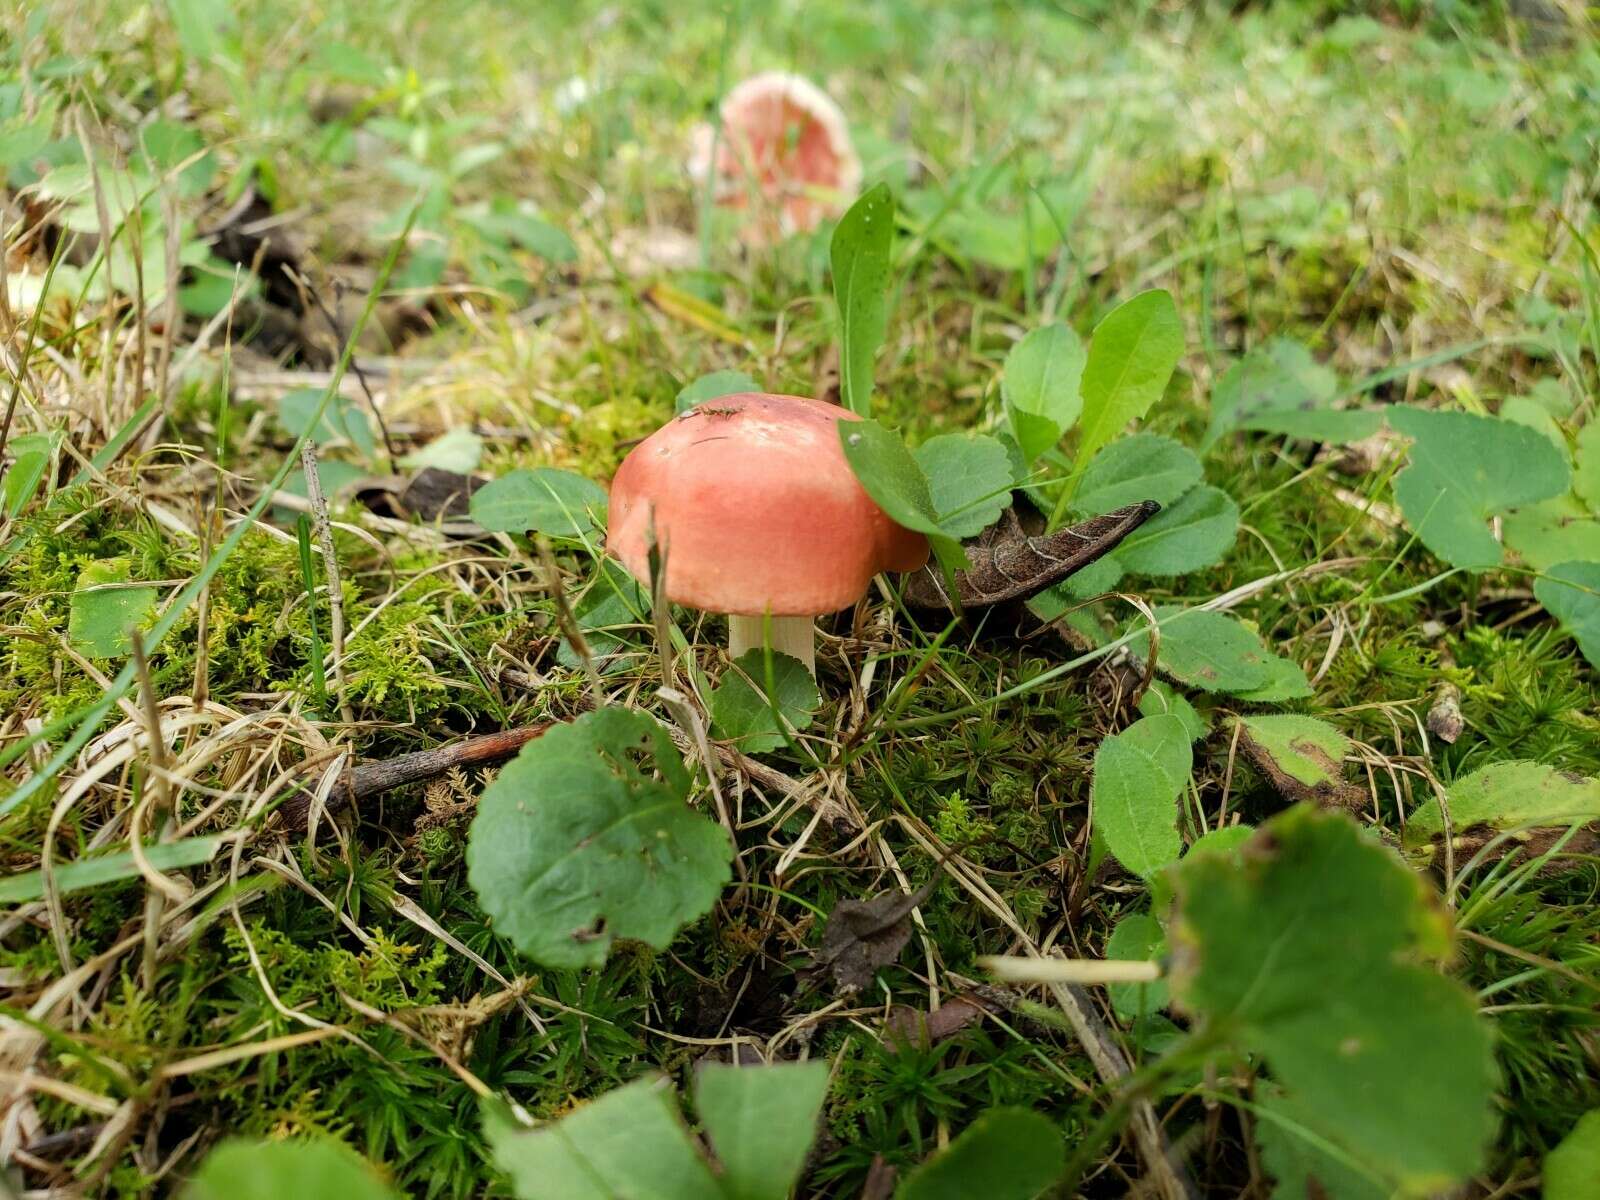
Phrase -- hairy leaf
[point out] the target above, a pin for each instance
(1138, 776)
(1144, 466)
(1302, 757)
(1553, 531)
(762, 1121)
(714, 386)
(103, 613)
(1208, 650)
(1195, 532)
(1501, 797)
(1572, 1170)
(1571, 591)
(969, 481)
(630, 1144)
(1139, 938)
(742, 710)
(1280, 388)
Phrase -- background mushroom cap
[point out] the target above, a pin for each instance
(786, 142)
(757, 509)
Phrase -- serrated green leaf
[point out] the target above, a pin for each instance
(1040, 387)
(316, 1168)
(1208, 650)
(1138, 938)
(1586, 466)
(1281, 388)
(1195, 532)
(1131, 357)
(574, 846)
(969, 481)
(1138, 776)
(102, 614)
(1144, 466)
(630, 1144)
(1006, 1154)
(860, 257)
(1571, 593)
(1465, 469)
(541, 500)
(1308, 951)
(762, 1121)
(1505, 796)
(712, 387)
(1301, 756)
(343, 419)
(1553, 531)
(740, 707)
(1572, 1170)
(457, 450)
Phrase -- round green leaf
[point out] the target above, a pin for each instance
(574, 845)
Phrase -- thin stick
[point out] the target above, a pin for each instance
(330, 565)
(374, 778)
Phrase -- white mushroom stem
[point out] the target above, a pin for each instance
(794, 636)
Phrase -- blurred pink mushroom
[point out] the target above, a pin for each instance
(785, 150)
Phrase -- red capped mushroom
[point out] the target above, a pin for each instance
(786, 147)
(759, 516)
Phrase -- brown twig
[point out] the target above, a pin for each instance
(368, 779)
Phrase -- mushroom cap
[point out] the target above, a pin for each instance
(756, 510)
(787, 142)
